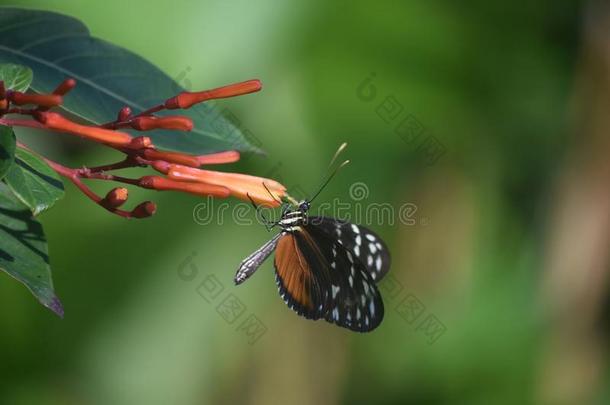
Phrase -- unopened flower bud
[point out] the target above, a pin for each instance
(186, 99)
(177, 123)
(64, 87)
(140, 142)
(115, 198)
(57, 122)
(144, 210)
(172, 157)
(124, 114)
(42, 100)
(161, 166)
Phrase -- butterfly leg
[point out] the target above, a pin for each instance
(268, 224)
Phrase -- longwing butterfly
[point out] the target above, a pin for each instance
(325, 268)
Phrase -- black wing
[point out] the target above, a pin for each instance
(365, 244)
(319, 278)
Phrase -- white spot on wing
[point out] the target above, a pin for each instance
(335, 290)
(378, 263)
(355, 229)
(372, 248)
(357, 250)
(358, 240)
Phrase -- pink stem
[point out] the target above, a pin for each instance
(75, 175)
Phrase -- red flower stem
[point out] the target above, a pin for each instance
(22, 123)
(22, 111)
(75, 175)
(129, 161)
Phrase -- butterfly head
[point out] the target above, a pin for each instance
(304, 206)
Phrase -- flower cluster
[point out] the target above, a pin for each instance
(177, 171)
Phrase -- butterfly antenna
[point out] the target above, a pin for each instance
(329, 179)
(337, 153)
(270, 193)
(268, 224)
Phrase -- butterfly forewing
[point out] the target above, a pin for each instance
(355, 302)
(319, 278)
(363, 243)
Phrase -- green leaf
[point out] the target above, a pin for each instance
(7, 149)
(23, 250)
(109, 77)
(15, 77)
(34, 182)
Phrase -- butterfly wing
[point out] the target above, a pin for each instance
(319, 278)
(365, 244)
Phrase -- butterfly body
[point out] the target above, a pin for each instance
(325, 268)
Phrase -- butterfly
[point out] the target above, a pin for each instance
(325, 268)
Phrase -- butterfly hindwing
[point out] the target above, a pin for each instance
(300, 282)
(363, 243)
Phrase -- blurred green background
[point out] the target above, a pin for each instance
(507, 251)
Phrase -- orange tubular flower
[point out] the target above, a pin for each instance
(187, 99)
(200, 189)
(172, 157)
(229, 156)
(180, 171)
(245, 187)
(59, 123)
